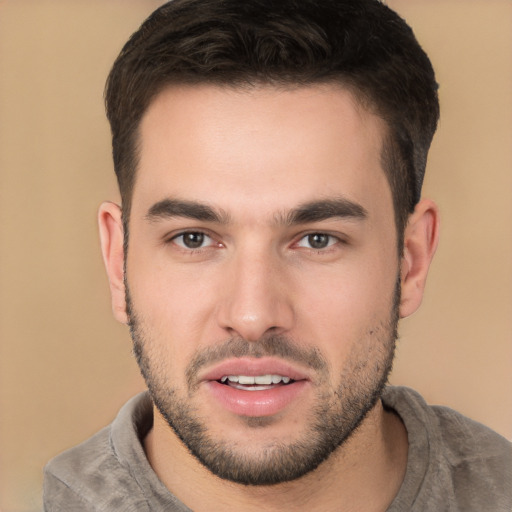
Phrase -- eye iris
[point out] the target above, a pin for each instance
(318, 241)
(193, 240)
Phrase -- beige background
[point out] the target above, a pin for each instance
(65, 365)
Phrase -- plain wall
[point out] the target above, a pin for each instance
(65, 365)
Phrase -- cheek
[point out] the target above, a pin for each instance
(175, 306)
(345, 295)
(346, 309)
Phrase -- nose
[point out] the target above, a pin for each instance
(256, 296)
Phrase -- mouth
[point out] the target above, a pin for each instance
(255, 383)
(255, 387)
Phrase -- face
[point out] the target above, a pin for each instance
(262, 273)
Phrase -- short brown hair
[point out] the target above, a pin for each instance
(362, 45)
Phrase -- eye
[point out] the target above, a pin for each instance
(317, 241)
(193, 240)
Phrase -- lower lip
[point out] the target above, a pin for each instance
(257, 403)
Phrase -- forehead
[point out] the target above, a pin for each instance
(279, 146)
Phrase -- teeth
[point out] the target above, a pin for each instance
(264, 380)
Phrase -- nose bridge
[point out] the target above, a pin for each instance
(255, 300)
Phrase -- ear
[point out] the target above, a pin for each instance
(420, 243)
(112, 238)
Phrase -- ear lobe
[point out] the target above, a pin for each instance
(420, 243)
(112, 239)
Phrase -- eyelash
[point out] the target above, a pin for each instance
(332, 240)
(202, 234)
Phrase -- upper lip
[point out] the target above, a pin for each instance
(253, 367)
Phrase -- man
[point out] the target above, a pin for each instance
(270, 157)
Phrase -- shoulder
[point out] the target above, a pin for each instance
(480, 459)
(466, 440)
(462, 439)
(93, 475)
(73, 479)
(464, 461)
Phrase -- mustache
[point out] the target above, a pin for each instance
(268, 346)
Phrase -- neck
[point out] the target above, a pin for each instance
(363, 474)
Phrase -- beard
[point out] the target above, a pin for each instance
(337, 414)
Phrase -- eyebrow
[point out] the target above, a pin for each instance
(169, 208)
(314, 211)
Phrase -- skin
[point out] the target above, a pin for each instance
(255, 156)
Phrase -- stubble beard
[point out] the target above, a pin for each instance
(337, 414)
